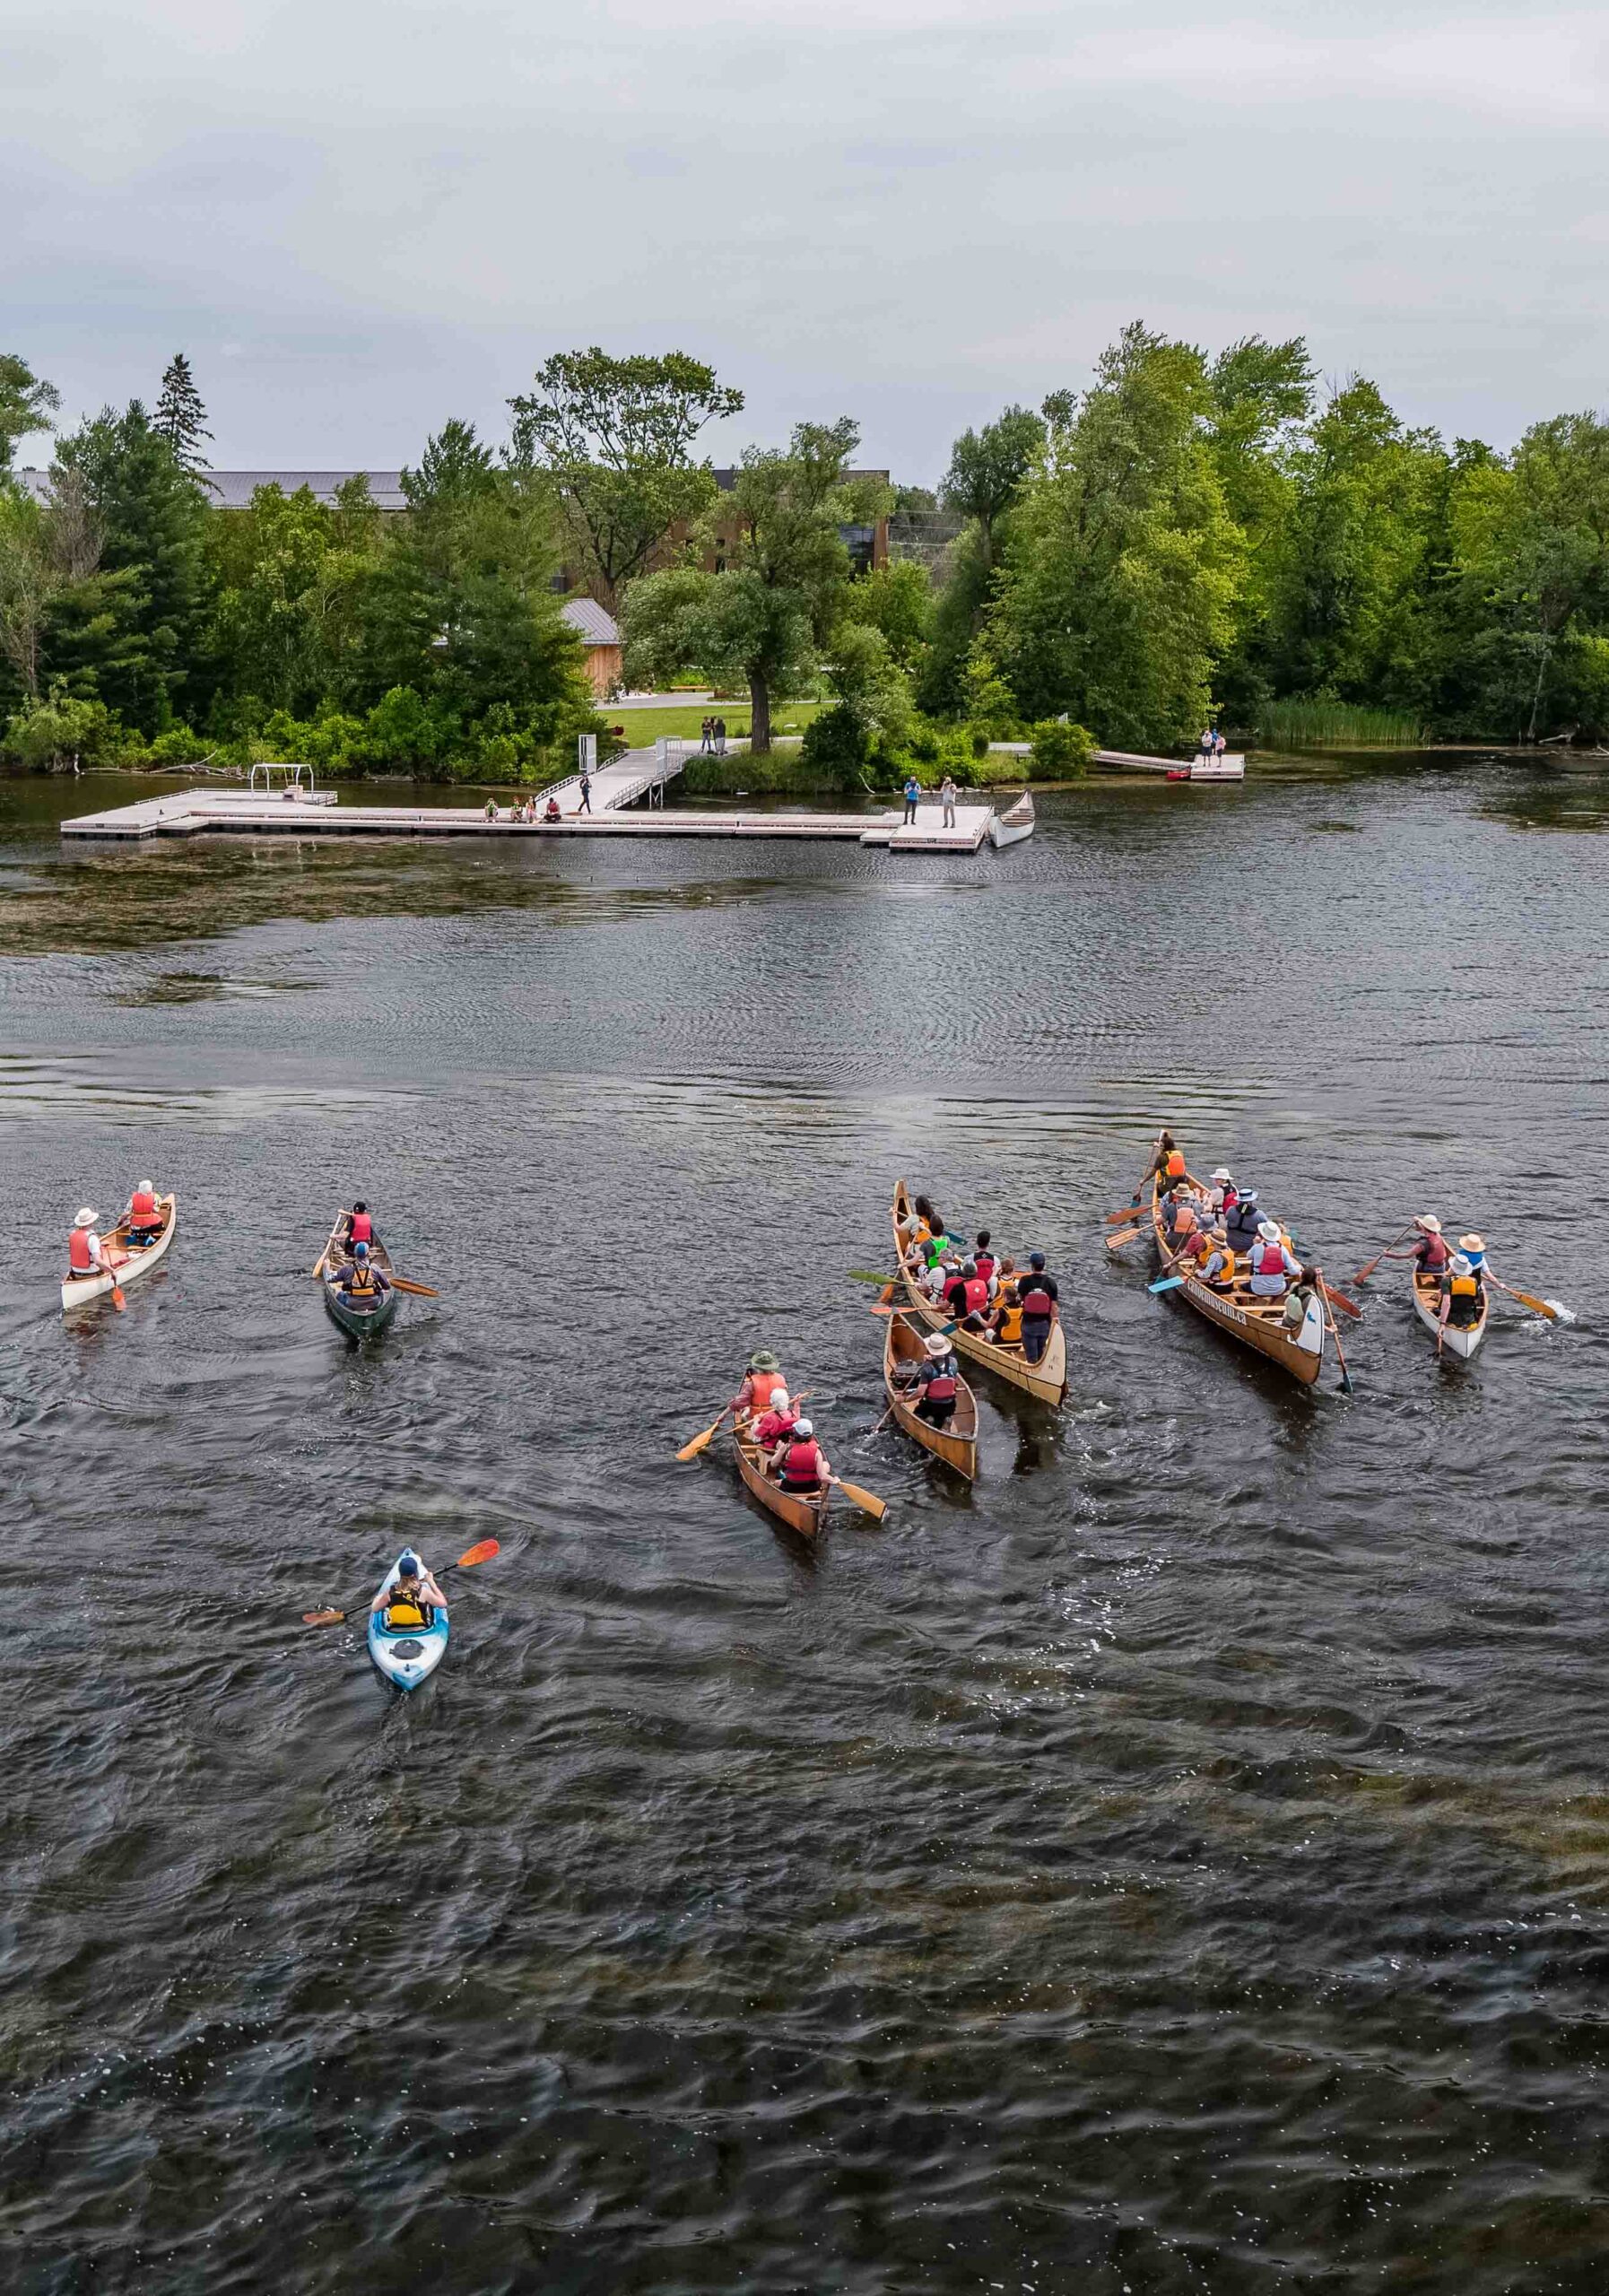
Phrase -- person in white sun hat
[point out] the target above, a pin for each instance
(86, 1254)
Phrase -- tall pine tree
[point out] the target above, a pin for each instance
(180, 417)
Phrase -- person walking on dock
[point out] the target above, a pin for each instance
(913, 798)
(947, 800)
(586, 804)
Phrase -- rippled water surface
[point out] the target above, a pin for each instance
(1180, 1864)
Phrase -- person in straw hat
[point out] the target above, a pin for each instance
(1430, 1250)
(86, 1253)
(937, 1380)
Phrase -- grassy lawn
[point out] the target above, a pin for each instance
(645, 725)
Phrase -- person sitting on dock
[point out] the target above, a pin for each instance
(491, 809)
(1041, 1297)
(550, 812)
(761, 1382)
(143, 1217)
(86, 1251)
(412, 1598)
(799, 1462)
(777, 1420)
(939, 1381)
(1272, 1265)
(1463, 1293)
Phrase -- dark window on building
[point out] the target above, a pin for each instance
(860, 542)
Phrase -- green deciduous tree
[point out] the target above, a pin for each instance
(27, 403)
(1122, 565)
(766, 616)
(292, 574)
(897, 600)
(615, 437)
(987, 468)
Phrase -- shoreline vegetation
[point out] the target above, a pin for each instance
(1194, 539)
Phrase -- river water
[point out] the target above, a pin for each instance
(1180, 1864)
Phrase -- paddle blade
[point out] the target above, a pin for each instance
(870, 1275)
(1339, 1299)
(119, 1301)
(1537, 1307)
(701, 1442)
(322, 1618)
(484, 1552)
(1122, 1236)
(866, 1501)
(1165, 1284)
(1128, 1212)
(424, 1291)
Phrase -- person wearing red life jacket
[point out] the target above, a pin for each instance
(799, 1461)
(1225, 1193)
(360, 1227)
(1272, 1265)
(988, 1261)
(144, 1218)
(967, 1295)
(1430, 1248)
(86, 1252)
(1041, 1297)
(780, 1418)
(938, 1381)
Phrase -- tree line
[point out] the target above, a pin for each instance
(1193, 537)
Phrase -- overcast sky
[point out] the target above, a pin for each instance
(360, 219)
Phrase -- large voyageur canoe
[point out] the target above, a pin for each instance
(1254, 1322)
(1046, 1380)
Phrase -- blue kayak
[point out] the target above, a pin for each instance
(406, 1656)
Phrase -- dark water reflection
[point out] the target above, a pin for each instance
(1180, 1864)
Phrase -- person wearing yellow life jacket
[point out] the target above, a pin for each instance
(1463, 1293)
(412, 1599)
(1217, 1262)
(144, 1218)
(86, 1251)
(761, 1382)
(1168, 1164)
(1007, 1327)
(361, 1279)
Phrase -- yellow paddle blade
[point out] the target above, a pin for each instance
(701, 1442)
(866, 1501)
(1122, 1236)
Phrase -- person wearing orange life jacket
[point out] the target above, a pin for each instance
(143, 1221)
(1168, 1164)
(778, 1419)
(760, 1381)
(1272, 1265)
(86, 1251)
(938, 1380)
(800, 1463)
(1040, 1296)
(1006, 1330)
(1463, 1293)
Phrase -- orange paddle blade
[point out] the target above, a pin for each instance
(482, 1553)
(119, 1301)
(322, 1618)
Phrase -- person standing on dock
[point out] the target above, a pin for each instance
(913, 798)
(720, 737)
(947, 794)
(586, 804)
(706, 736)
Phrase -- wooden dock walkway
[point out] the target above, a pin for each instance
(641, 772)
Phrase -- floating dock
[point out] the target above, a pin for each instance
(299, 810)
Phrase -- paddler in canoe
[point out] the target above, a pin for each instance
(1429, 1250)
(356, 1227)
(761, 1380)
(87, 1254)
(411, 1599)
(142, 1223)
(360, 1280)
(799, 1463)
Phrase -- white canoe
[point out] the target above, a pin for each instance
(77, 1290)
(406, 1656)
(1462, 1340)
(1011, 826)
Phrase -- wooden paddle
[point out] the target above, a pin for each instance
(1122, 1236)
(324, 1255)
(867, 1275)
(1334, 1335)
(401, 1283)
(1339, 1299)
(1526, 1298)
(702, 1442)
(867, 1502)
(484, 1552)
(1363, 1273)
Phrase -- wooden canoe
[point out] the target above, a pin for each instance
(1462, 1339)
(357, 1321)
(78, 1291)
(957, 1442)
(1256, 1323)
(1046, 1382)
(1011, 827)
(804, 1516)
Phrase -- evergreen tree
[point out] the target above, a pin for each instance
(180, 417)
(26, 404)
